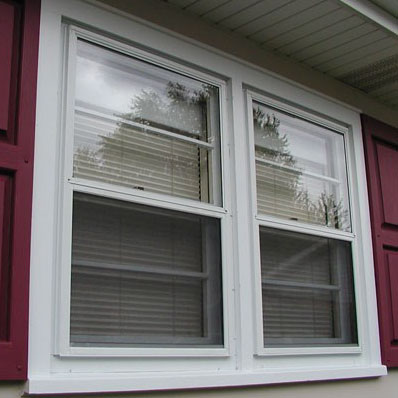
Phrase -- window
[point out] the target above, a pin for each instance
(143, 274)
(307, 285)
(181, 238)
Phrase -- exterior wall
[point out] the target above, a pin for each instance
(384, 386)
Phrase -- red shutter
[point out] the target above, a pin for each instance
(19, 35)
(7, 20)
(381, 150)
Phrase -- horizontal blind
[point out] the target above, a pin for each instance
(113, 152)
(307, 289)
(300, 170)
(297, 313)
(293, 196)
(141, 126)
(139, 275)
(125, 307)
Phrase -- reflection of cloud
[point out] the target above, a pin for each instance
(308, 147)
(98, 86)
(107, 79)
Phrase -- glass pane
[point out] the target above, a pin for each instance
(143, 127)
(300, 170)
(308, 296)
(291, 314)
(144, 276)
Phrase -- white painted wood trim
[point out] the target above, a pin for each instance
(373, 12)
(125, 382)
(48, 371)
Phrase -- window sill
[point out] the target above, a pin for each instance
(122, 382)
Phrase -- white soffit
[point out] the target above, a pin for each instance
(390, 6)
(354, 41)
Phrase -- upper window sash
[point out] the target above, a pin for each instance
(293, 184)
(122, 100)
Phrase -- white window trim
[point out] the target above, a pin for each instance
(72, 184)
(240, 363)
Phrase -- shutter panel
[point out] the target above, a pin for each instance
(388, 161)
(7, 17)
(139, 275)
(5, 232)
(393, 276)
(18, 69)
(381, 151)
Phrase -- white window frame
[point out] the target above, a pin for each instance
(72, 184)
(266, 220)
(53, 367)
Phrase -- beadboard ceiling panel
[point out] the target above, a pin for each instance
(330, 36)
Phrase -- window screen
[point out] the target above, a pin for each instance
(307, 289)
(144, 276)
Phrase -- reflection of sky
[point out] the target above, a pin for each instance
(304, 145)
(108, 79)
(95, 85)
(312, 146)
(109, 82)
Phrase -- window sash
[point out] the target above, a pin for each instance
(291, 190)
(73, 184)
(297, 272)
(279, 346)
(194, 170)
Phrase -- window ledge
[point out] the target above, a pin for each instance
(122, 382)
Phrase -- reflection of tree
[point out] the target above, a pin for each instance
(277, 145)
(182, 110)
(128, 154)
(85, 158)
(324, 209)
